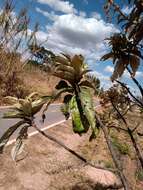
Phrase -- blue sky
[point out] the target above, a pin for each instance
(76, 26)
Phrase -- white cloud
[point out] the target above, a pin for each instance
(82, 13)
(138, 74)
(101, 75)
(109, 69)
(76, 34)
(105, 80)
(59, 5)
(96, 15)
(52, 16)
(41, 36)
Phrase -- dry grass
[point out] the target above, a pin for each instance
(48, 166)
(25, 81)
(38, 80)
(11, 83)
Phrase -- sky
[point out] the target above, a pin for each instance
(76, 27)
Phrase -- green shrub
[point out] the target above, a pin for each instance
(123, 148)
(108, 164)
(139, 175)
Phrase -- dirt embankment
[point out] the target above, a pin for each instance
(34, 80)
(47, 166)
(39, 81)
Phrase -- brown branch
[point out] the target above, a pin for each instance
(113, 154)
(118, 9)
(139, 103)
(138, 151)
(130, 132)
(135, 81)
(121, 116)
(69, 149)
(118, 128)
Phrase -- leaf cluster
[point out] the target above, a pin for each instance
(116, 95)
(24, 110)
(77, 100)
(126, 47)
(124, 54)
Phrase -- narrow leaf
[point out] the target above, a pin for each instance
(88, 109)
(19, 145)
(6, 136)
(62, 84)
(76, 120)
(86, 83)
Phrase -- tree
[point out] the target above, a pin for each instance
(77, 101)
(24, 110)
(126, 53)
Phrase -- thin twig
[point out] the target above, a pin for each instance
(113, 154)
(130, 133)
(69, 149)
(139, 103)
(121, 116)
(135, 81)
(118, 128)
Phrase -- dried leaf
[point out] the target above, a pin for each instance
(134, 63)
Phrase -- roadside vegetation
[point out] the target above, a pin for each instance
(18, 76)
(118, 123)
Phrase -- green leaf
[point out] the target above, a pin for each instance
(38, 104)
(19, 145)
(17, 149)
(11, 99)
(61, 91)
(67, 98)
(86, 83)
(32, 95)
(62, 60)
(56, 95)
(65, 110)
(26, 106)
(85, 71)
(76, 120)
(13, 114)
(66, 68)
(88, 109)
(6, 136)
(62, 84)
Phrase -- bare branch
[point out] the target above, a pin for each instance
(140, 104)
(113, 153)
(130, 132)
(69, 149)
(121, 116)
(135, 81)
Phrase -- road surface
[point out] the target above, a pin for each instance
(53, 116)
